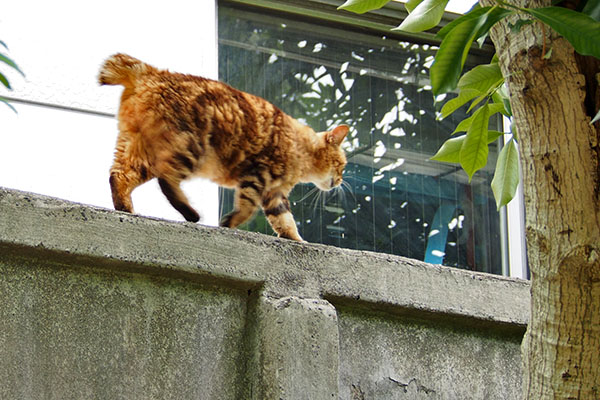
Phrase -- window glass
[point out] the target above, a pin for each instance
(395, 199)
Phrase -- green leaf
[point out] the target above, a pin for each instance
(476, 102)
(5, 82)
(3, 100)
(495, 14)
(450, 150)
(454, 104)
(474, 151)
(486, 79)
(10, 62)
(513, 131)
(474, 14)
(497, 97)
(362, 6)
(465, 124)
(411, 4)
(482, 78)
(481, 40)
(507, 107)
(516, 27)
(424, 16)
(494, 135)
(451, 56)
(579, 29)
(501, 96)
(506, 177)
(496, 108)
(592, 8)
(596, 118)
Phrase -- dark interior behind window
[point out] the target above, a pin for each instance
(396, 200)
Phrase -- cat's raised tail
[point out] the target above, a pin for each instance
(121, 69)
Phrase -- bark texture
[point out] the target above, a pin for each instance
(552, 101)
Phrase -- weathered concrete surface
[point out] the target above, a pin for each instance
(101, 304)
(83, 334)
(295, 349)
(386, 357)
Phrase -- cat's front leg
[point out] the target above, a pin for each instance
(276, 207)
(245, 204)
(177, 198)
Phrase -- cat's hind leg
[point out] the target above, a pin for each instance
(177, 198)
(122, 182)
(277, 209)
(129, 170)
(247, 198)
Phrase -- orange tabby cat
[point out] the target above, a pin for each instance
(174, 126)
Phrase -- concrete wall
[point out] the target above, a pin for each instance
(98, 304)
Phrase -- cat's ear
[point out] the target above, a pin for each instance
(336, 135)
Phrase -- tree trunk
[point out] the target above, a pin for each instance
(561, 183)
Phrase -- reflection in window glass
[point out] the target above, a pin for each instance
(396, 200)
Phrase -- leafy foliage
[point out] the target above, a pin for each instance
(483, 85)
(451, 56)
(6, 60)
(458, 38)
(592, 8)
(362, 6)
(506, 178)
(426, 15)
(450, 150)
(579, 29)
(474, 151)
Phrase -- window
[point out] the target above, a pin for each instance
(396, 200)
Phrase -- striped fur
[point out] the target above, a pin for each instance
(174, 126)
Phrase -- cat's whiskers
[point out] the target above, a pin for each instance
(319, 199)
(345, 184)
(342, 189)
(348, 189)
(340, 194)
(316, 196)
(309, 193)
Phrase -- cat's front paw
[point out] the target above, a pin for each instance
(192, 216)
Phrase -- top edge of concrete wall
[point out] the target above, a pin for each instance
(37, 225)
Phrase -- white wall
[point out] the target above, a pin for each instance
(61, 141)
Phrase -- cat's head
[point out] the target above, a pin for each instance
(330, 158)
